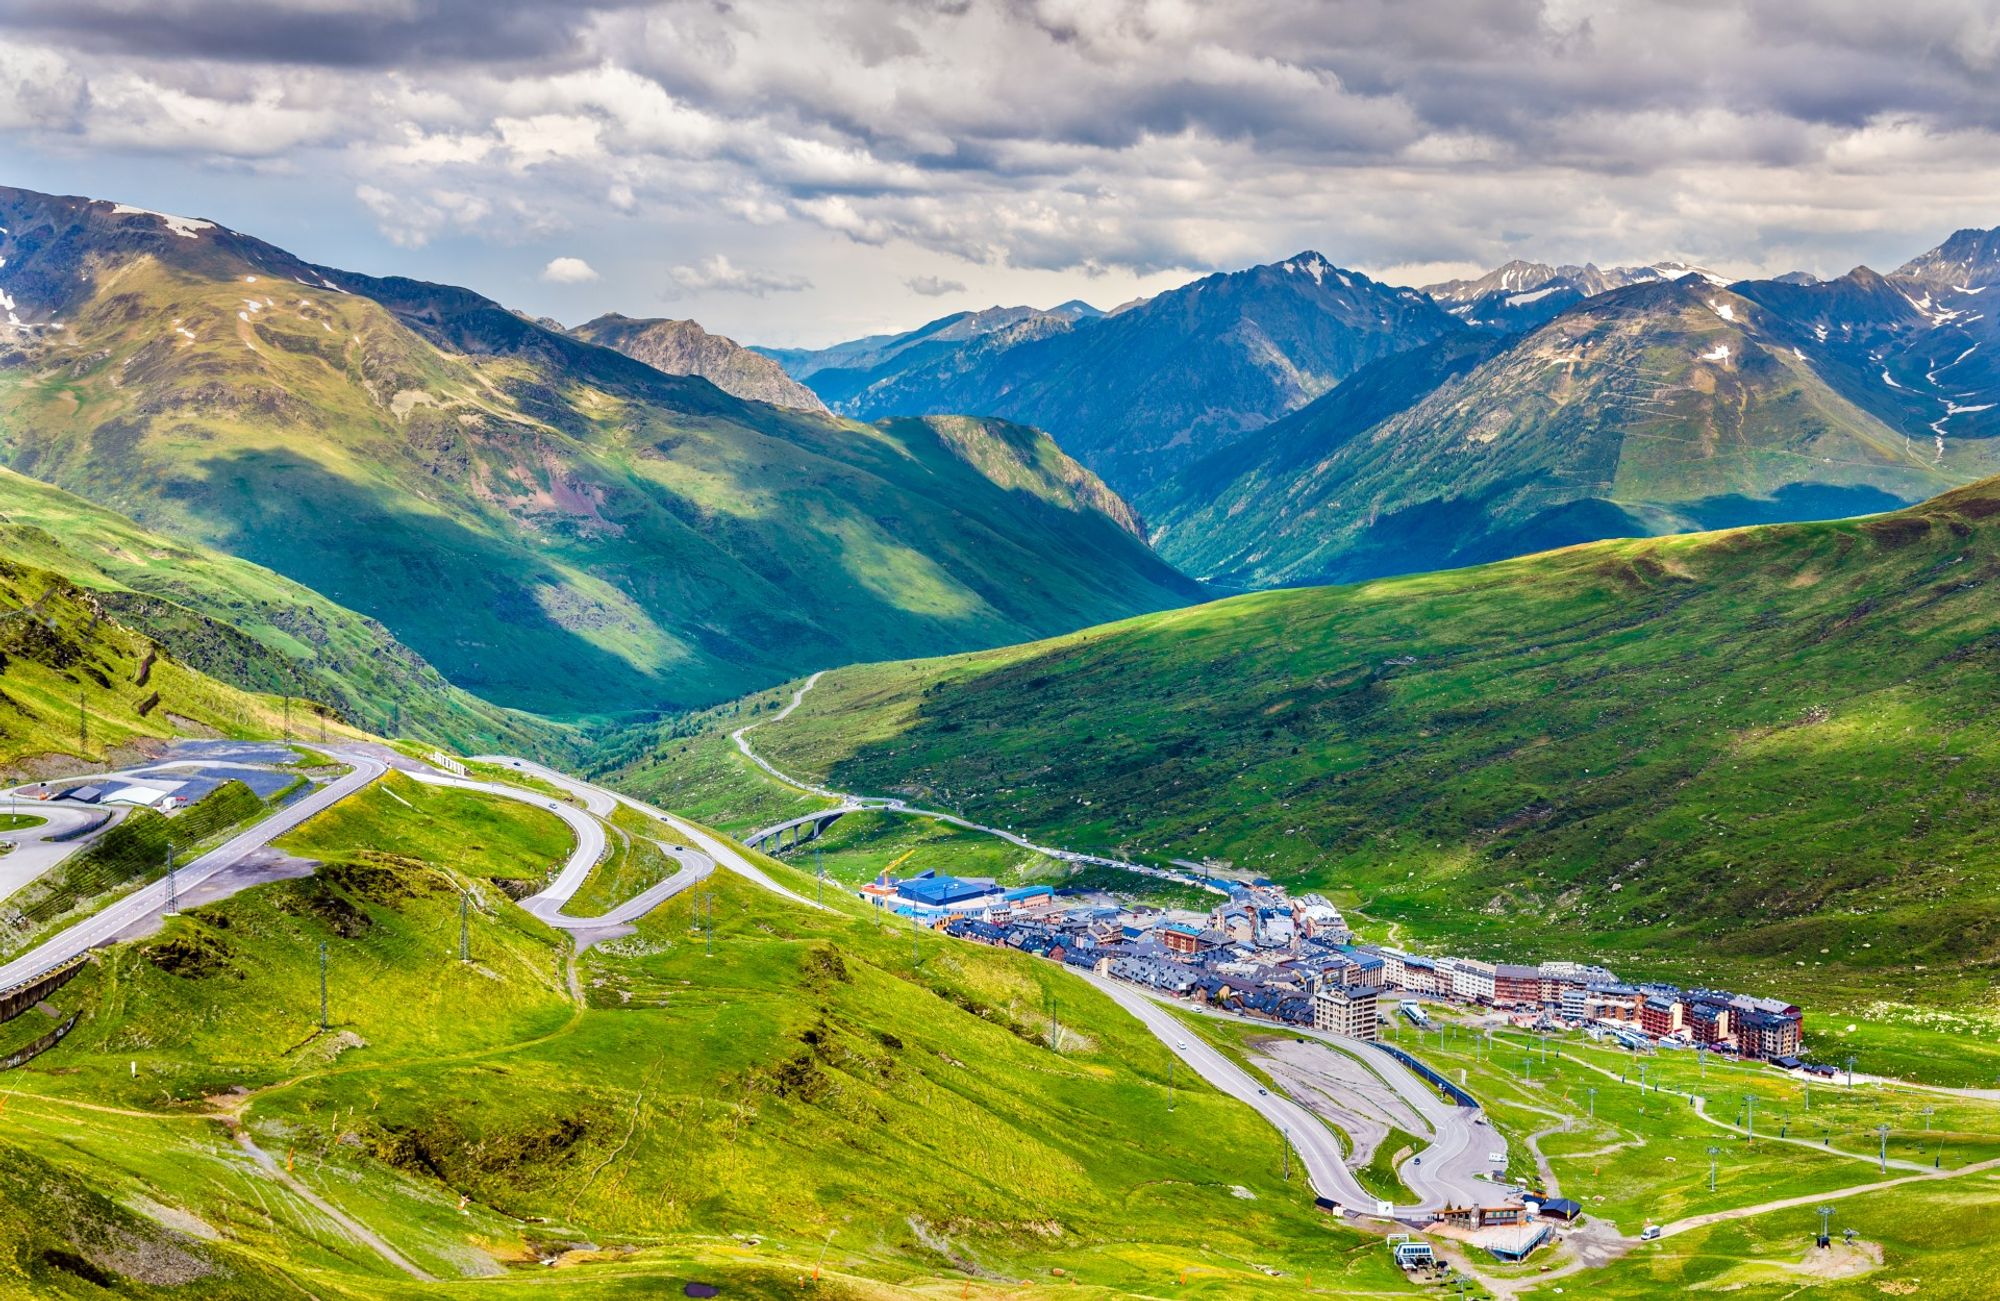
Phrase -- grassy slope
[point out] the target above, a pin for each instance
(1745, 757)
(245, 624)
(60, 655)
(804, 1079)
(506, 500)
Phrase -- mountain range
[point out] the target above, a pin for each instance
(1538, 405)
(1140, 392)
(553, 525)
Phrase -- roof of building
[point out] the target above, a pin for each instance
(939, 891)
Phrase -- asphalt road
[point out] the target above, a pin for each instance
(857, 802)
(1317, 1146)
(147, 900)
(1453, 1169)
(596, 797)
(35, 852)
(590, 845)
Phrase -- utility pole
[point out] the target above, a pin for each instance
(1713, 1152)
(709, 952)
(465, 926)
(322, 984)
(173, 890)
(288, 716)
(82, 724)
(1701, 1059)
(1882, 1131)
(1825, 1220)
(1593, 1102)
(1750, 1112)
(1927, 1113)
(1850, 1070)
(1288, 1154)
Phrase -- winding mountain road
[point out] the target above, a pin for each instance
(856, 803)
(602, 802)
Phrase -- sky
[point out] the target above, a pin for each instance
(794, 172)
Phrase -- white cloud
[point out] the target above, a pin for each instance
(717, 274)
(568, 271)
(1088, 137)
(413, 220)
(934, 286)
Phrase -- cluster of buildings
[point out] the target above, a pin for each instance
(1294, 960)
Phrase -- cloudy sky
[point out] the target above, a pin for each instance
(798, 171)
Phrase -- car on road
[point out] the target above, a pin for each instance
(1649, 1233)
(1263, 1092)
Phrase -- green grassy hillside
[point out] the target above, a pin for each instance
(1754, 755)
(667, 1106)
(555, 526)
(246, 625)
(79, 688)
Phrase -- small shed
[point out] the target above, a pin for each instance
(1561, 1208)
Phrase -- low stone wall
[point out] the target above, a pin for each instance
(33, 990)
(41, 1045)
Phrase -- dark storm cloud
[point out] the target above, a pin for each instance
(338, 33)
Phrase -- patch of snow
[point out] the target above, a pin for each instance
(1953, 409)
(330, 285)
(251, 305)
(184, 331)
(1889, 379)
(1932, 375)
(249, 280)
(1819, 332)
(1719, 353)
(1519, 299)
(243, 316)
(1726, 311)
(185, 227)
(1957, 289)
(1796, 353)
